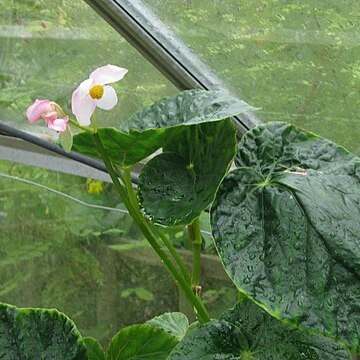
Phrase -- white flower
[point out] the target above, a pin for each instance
(94, 92)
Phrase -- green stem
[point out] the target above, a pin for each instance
(75, 123)
(146, 230)
(164, 238)
(130, 189)
(175, 255)
(196, 240)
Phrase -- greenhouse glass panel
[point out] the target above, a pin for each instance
(78, 250)
(48, 47)
(296, 61)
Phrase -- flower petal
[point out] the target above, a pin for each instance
(82, 106)
(107, 74)
(58, 124)
(108, 100)
(37, 109)
(85, 86)
(50, 116)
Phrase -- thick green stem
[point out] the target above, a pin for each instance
(146, 230)
(165, 240)
(196, 240)
(130, 189)
(175, 255)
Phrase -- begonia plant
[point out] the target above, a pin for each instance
(285, 223)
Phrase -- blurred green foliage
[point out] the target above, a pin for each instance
(299, 61)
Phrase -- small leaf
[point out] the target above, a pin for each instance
(247, 332)
(140, 292)
(155, 126)
(38, 334)
(213, 340)
(141, 342)
(294, 203)
(66, 139)
(94, 350)
(176, 186)
(175, 323)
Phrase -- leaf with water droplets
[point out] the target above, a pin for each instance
(154, 126)
(248, 333)
(286, 226)
(38, 334)
(177, 185)
(175, 323)
(213, 340)
(141, 342)
(271, 339)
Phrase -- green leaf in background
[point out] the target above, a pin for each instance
(249, 333)
(177, 185)
(286, 226)
(140, 292)
(175, 323)
(129, 246)
(152, 127)
(66, 139)
(94, 350)
(30, 334)
(141, 342)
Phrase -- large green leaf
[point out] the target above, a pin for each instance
(249, 333)
(286, 225)
(153, 127)
(175, 323)
(177, 185)
(187, 108)
(141, 342)
(30, 334)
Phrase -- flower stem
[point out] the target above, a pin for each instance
(175, 255)
(196, 240)
(146, 230)
(76, 124)
(129, 187)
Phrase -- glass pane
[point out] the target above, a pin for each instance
(49, 46)
(91, 263)
(296, 60)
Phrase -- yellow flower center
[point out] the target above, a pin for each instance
(97, 91)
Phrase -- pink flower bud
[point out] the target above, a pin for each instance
(38, 109)
(49, 111)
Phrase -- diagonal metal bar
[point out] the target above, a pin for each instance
(154, 40)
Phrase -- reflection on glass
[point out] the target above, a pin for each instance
(48, 47)
(296, 60)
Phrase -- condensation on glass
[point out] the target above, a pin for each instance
(299, 61)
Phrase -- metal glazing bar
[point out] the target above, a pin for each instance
(152, 38)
